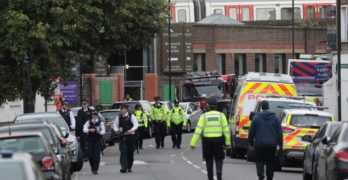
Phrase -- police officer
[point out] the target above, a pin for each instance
(177, 119)
(83, 115)
(95, 129)
(67, 114)
(143, 124)
(126, 124)
(213, 126)
(158, 117)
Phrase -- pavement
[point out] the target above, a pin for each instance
(173, 164)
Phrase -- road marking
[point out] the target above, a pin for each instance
(139, 163)
(151, 145)
(192, 164)
(173, 155)
(102, 163)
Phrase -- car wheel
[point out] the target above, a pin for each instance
(306, 176)
(77, 166)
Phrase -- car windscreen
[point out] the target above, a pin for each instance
(12, 170)
(209, 91)
(33, 145)
(110, 115)
(332, 129)
(278, 106)
(40, 120)
(309, 121)
(130, 104)
(308, 89)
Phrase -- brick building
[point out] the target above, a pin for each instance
(227, 46)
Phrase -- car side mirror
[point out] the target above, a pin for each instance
(66, 135)
(324, 141)
(307, 138)
(189, 111)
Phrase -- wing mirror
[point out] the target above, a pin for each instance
(325, 141)
(307, 138)
(66, 135)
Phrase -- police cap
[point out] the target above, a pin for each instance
(94, 112)
(212, 102)
(124, 106)
(65, 102)
(156, 98)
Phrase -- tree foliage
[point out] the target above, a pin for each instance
(53, 34)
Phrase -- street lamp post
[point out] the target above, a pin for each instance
(169, 52)
(293, 28)
(338, 42)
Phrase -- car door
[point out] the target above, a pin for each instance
(195, 113)
(325, 152)
(312, 148)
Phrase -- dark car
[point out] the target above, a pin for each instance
(37, 145)
(311, 153)
(58, 143)
(333, 160)
(110, 116)
(55, 118)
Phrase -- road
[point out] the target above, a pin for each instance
(172, 164)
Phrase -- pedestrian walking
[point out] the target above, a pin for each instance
(264, 136)
(83, 115)
(67, 114)
(142, 125)
(159, 119)
(126, 124)
(213, 128)
(177, 119)
(95, 129)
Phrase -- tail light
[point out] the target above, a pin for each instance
(342, 155)
(237, 125)
(47, 163)
(288, 130)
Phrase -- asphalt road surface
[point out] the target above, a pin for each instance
(172, 164)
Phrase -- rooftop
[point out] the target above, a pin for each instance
(219, 19)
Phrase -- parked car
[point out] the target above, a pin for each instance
(38, 146)
(110, 116)
(311, 154)
(193, 112)
(333, 160)
(297, 125)
(57, 119)
(58, 143)
(19, 166)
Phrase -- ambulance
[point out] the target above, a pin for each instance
(252, 87)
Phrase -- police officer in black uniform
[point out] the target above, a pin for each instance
(68, 116)
(95, 129)
(126, 124)
(83, 115)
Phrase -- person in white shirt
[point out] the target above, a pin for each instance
(67, 114)
(95, 129)
(125, 125)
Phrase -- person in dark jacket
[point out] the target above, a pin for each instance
(264, 136)
(83, 115)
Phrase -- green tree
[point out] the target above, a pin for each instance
(50, 33)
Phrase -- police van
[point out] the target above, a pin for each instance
(252, 87)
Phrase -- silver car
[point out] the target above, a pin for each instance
(57, 119)
(193, 112)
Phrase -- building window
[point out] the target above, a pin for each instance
(286, 13)
(218, 11)
(245, 14)
(280, 63)
(311, 12)
(265, 14)
(260, 63)
(182, 15)
(344, 29)
(233, 13)
(199, 62)
(240, 64)
(222, 63)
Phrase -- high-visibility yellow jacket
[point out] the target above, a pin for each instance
(177, 116)
(158, 113)
(212, 124)
(142, 118)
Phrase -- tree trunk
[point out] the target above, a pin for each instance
(29, 104)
